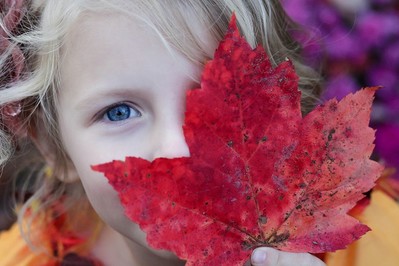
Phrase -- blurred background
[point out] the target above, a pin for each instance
(356, 43)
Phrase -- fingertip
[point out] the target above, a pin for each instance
(266, 256)
(259, 257)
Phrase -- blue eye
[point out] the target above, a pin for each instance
(121, 112)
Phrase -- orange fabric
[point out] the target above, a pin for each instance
(381, 245)
(54, 235)
(15, 252)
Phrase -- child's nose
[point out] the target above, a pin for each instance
(170, 143)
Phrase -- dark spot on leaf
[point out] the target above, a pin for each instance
(230, 143)
(302, 185)
(332, 194)
(330, 159)
(318, 126)
(263, 139)
(330, 134)
(263, 219)
(281, 197)
(246, 246)
(248, 197)
(333, 107)
(125, 174)
(298, 207)
(246, 137)
(281, 237)
(148, 175)
(348, 132)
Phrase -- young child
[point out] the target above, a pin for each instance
(90, 81)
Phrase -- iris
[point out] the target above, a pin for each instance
(121, 112)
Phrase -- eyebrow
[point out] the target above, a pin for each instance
(105, 93)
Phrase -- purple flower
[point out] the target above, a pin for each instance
(300, 11)
(375, 28)
(328, 16)
(387, 145)
(390, 55)
(383, 75)
(340, 45)
(385, 112)
(383, 2)
(338, 87)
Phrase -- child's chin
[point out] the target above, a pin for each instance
(139, 238)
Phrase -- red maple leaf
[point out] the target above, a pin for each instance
(259, 173)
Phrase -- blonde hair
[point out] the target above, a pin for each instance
(46, 25)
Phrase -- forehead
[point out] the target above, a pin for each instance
(99, 38)
(115, 51)
(184, 26)
(191, 38)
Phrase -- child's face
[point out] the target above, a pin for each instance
(122, 93)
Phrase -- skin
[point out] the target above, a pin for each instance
(125, 66)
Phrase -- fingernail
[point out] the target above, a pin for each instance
(259, 256)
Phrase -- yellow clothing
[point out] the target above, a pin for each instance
(379, 246)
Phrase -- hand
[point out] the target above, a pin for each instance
(271, 257)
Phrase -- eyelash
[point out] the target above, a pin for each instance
(132, 113)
